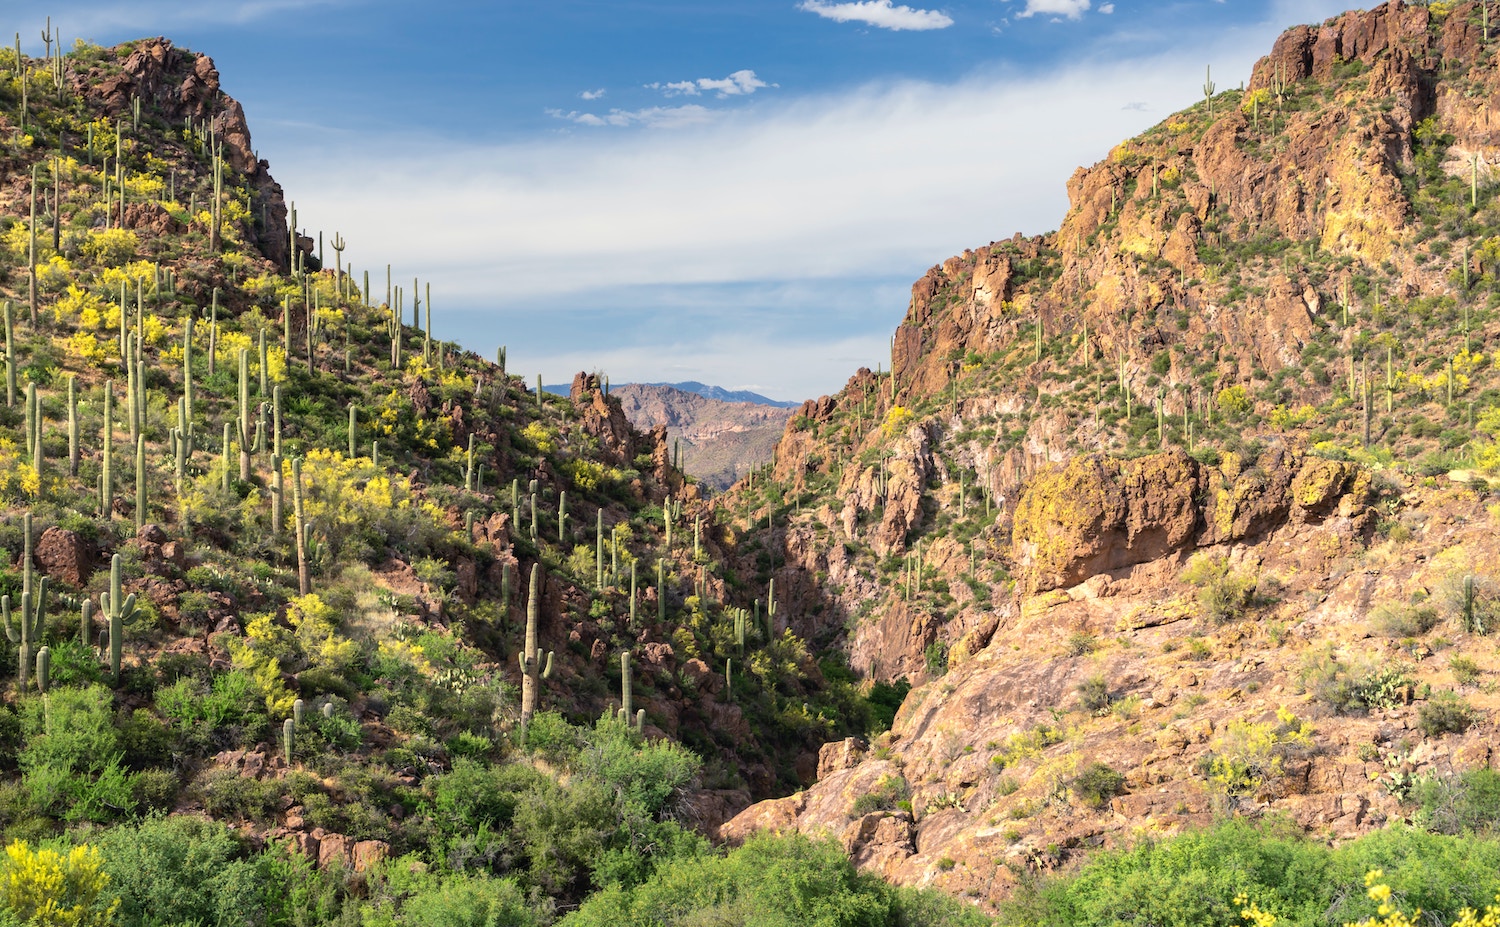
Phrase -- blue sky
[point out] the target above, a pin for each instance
(738, 192)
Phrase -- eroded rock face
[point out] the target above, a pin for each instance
(1095, 515)
(604, 419)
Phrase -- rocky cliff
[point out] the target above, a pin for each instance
(1185, 473)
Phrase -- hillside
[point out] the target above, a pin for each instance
(1183, 509)
(300, 594)
(719, 441)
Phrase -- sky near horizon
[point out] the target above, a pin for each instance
(739, 192)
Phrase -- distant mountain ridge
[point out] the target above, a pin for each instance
(698, 389)
(721, 441)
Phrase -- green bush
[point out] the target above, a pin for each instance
(1223, 593)
(1445, 714)
(769, 882)
(1093, 694)
(1456, 804)
(1393, 620)
(1097, 784)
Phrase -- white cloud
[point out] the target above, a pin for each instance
(561, 246)
(591, 94)
(1106, 8)
(879, 13)
(740, 83)
(654, 117)
(1072, 9)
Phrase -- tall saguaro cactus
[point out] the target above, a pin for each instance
(304, 577)
(118, 608)
(531, 659)
(26, 630)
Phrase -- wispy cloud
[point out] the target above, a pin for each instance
(95, 20)
(716, 241)
(1072, 9)
(591, 94)
(740, 83)
(880, 13)
(653, 117)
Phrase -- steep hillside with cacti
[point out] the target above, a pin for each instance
(1183, 509)
(339, 599)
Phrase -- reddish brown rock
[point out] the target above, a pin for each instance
(66, 555)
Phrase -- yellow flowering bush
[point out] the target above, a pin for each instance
(538, 435)
(86, 347)
(46, 888)
(110, 247)
(897, 420)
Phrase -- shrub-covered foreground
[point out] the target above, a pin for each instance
(1195, 880)
(577, 829)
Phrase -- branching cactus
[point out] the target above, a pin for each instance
(30, 615)
(118, 608)
(627, 702)
(44, 670)
(245, 430)
(534, 667)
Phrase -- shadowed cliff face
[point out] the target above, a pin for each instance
(1186, 454)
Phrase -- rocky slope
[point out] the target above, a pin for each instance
(720, 441)
(1272, 312)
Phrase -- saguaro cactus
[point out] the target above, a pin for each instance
(140, 482)
(530, 657)
(26, 630)
(10, 355)
(626, 692)
(72, 425)
(118, 608)
(304, 577)
(44, 670)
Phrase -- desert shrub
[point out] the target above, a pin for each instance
(1456, 804)
(179, 870)
(1445, 714)
(1249, 753)
(772, 882)
(1097, 784)
(1465, 670)
(1350, 687)
(44, 887)
(1223, 592)
(887, 792)
(1080, 643)
(1093, 694)
(1395, 620)
(71, 761)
